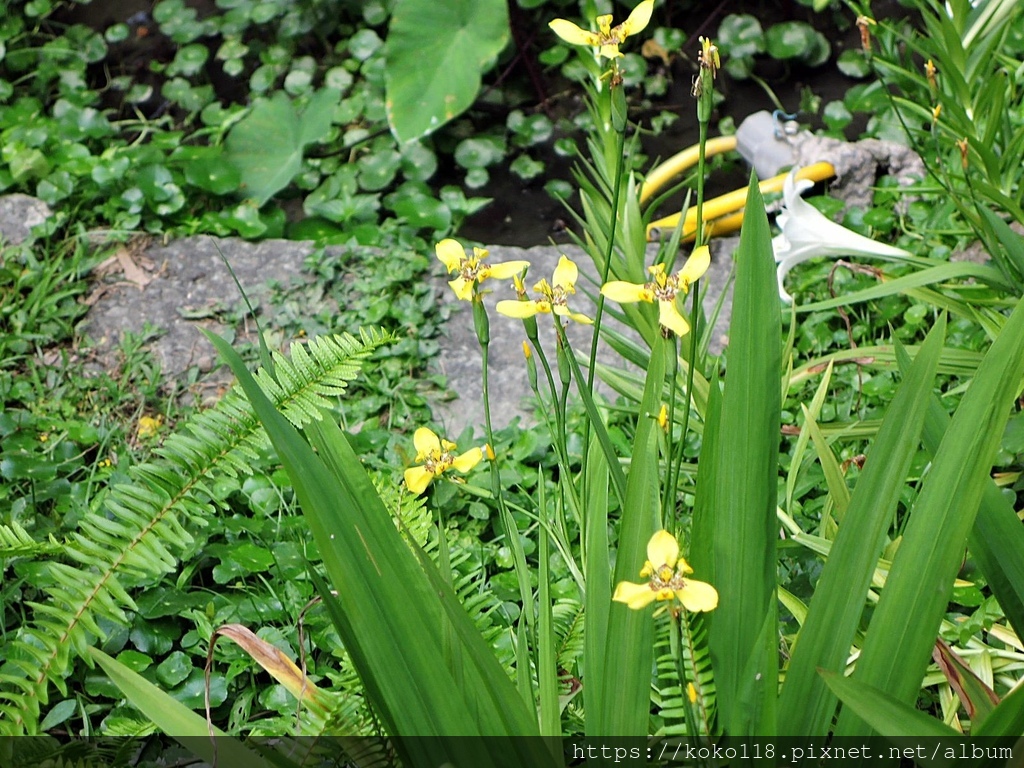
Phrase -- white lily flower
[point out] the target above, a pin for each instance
(807, 234)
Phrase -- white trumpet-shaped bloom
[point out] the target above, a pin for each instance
(807, 234)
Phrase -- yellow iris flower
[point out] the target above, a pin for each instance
(667, 572)
(663, 288)
(553, 296)
(472, 270)
(437, 457)
(607, 38)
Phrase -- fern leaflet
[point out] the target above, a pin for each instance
(143, 527)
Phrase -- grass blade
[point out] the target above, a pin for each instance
(997, 538)
(741, 527)
(629, 647)
(598, 599)
(174, 718)
(910, 609)
(391, 605)
(806, 705)
(883, 712)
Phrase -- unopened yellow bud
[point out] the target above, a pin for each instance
(527, 352)
(929, 72)
(488, 452)
(936, 111)
(663, 418)
(691, 693)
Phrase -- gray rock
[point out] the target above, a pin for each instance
(189, 288)
(18, 214)
(186, 286)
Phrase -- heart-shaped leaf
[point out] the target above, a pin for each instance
(267, 145)
(435, 53)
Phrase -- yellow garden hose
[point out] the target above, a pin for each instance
(721, 214)
(675, 165)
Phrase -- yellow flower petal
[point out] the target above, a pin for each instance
(520, 309)
(636, 596)
(572, 34)
(426, 443)
(417, 479)
(696, 265)
(610, 51)
(506, 269)
(468, 460)
(450, 253)
(566, 274)
(663, 549)
(463, 288)
(625, 293)
(577, 317)
(638, 19)
(698, 596)
(670, 318)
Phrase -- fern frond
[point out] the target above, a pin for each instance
(567, 617)
(144, 526)
(409, 511)
(670, 695)
(15, 541)
(480, 602)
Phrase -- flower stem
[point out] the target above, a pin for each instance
(508, 523)
(703, 118)
(620, 148)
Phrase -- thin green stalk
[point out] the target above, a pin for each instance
(669, 491)
(559, 404)
(606, 266)
(703, 118)
(508, 524)
(599, 313)
(618, 477)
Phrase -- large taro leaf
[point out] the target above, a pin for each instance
(266, 146)
(435, 53)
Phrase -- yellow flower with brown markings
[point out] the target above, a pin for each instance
(663, 288)
(553, 296)
(472, 270)
(437, 456)
(607, 38)
(667, 573)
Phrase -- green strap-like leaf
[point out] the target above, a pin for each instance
(740, 528)
(997, 538)
(884, 713)
(806, 706)
(904, 625)
(629, 647)
(389, 605)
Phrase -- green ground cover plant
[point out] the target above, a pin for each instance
(794, 513)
